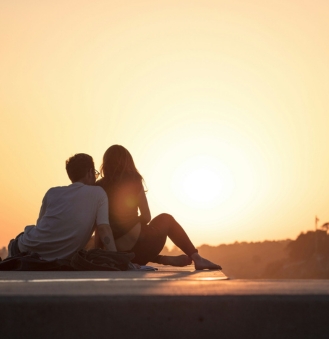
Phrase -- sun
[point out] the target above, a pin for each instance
(202, 185)
(202, 182)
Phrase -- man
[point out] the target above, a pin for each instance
(68, 215)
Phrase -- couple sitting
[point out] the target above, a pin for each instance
(69, 215)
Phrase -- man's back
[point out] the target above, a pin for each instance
(66, 221)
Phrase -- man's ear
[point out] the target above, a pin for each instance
(91, 175)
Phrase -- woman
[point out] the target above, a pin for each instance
(138, 233)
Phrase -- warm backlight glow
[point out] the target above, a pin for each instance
(202, 182)
(222, 104)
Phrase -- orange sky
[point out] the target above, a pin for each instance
(223, 105)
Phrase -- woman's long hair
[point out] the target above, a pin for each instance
(118, 164)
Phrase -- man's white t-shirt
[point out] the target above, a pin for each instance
(66, 221)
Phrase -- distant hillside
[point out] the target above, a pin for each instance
(308, 258)
(242, 260)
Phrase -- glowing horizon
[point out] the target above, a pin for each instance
(222, 105)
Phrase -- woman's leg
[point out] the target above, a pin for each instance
(153, 238)
(167, 224)
(179, 237)
(90, 244)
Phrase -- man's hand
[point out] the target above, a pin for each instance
(106, 235)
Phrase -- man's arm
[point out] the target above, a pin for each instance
(102, 221)
(106, 235)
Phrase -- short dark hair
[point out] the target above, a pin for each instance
(78, 166)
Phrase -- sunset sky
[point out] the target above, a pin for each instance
(223, 105)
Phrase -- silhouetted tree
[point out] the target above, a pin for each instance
(303, 247)
(325, 226)
(308, 257)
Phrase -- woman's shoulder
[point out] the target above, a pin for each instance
(132, 181)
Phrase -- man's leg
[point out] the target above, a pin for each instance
(13, 248)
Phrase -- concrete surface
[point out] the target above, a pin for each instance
(169, 303)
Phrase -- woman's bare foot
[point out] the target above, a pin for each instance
(203, 264)
(179, 260)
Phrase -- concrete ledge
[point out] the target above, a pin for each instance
(154, 316)
(169, 303)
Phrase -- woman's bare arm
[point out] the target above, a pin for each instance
(145, 214)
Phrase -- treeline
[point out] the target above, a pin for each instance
(307, 257)
(242, 260)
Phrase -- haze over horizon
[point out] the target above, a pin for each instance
(223, 106)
